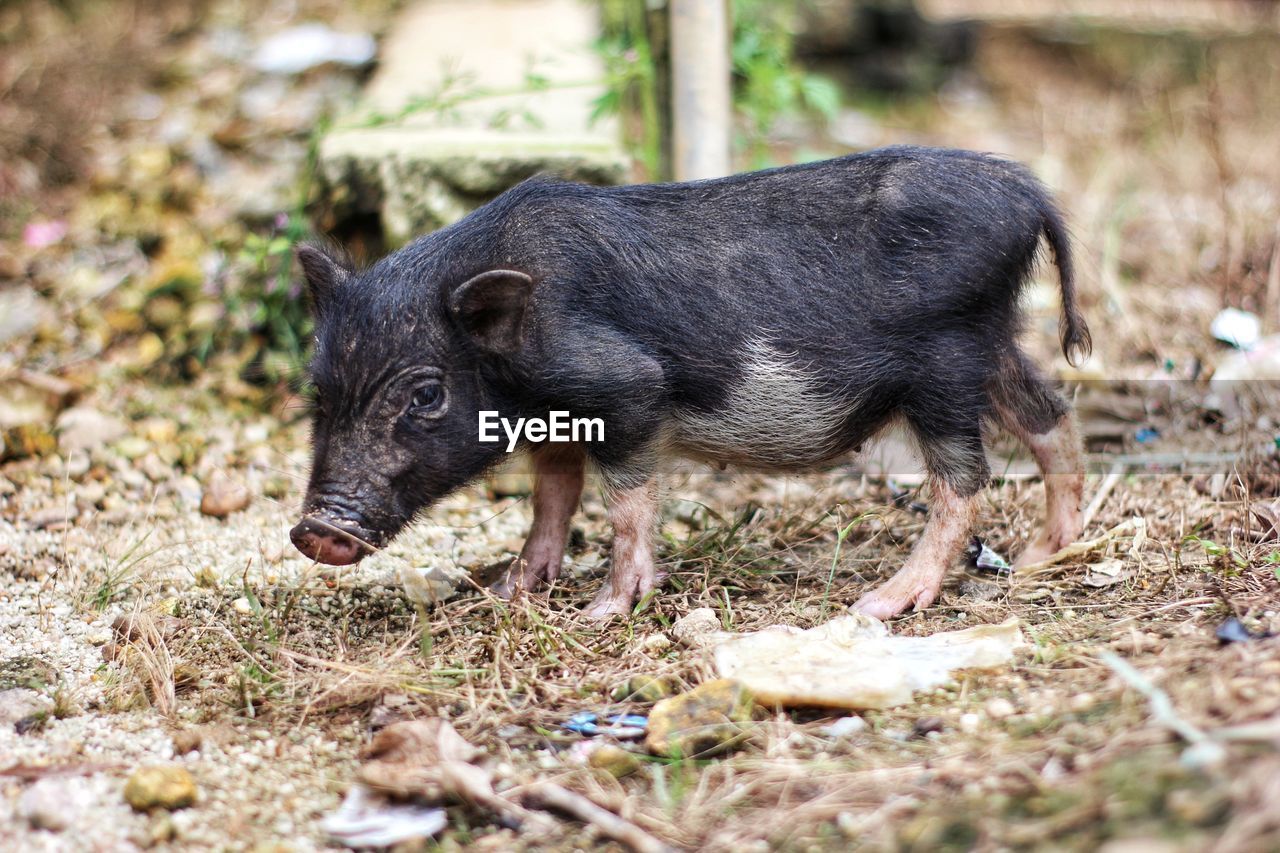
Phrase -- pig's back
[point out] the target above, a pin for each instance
(792, 309)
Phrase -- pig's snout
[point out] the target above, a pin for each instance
(326, 542)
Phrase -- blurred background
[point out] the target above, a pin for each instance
(159, 161)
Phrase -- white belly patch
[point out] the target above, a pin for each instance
(774, 416)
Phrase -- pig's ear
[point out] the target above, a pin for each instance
(324, 274)
(490, 308)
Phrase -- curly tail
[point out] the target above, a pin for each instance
(1077, 343)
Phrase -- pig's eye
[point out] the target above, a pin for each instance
(427, 400)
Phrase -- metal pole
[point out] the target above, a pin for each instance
(700, 96)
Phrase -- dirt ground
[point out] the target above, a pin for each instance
(137, 630)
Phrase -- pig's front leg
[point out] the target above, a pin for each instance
(633, 515)
(557, 488)
(916, 584)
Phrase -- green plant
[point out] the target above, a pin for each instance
(631, 77)
(112, 580)
(767, 81)
(443, 103)
(842, 533)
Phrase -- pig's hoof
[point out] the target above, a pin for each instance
(525, 574)
(608, 604)
(504, 587)
(899, 594)
(1042, 549)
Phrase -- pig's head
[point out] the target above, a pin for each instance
(398, 378)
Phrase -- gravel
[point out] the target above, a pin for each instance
(139, 542)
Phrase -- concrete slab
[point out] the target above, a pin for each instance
(471, 97)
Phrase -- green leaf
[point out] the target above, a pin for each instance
(820, 95)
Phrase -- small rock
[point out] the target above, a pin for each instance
(1083, 702)
(999, 708)
(644, 688)
(162, 830)
(132, 447)
(614, 760)
(159, 430)
(655, 644)
(52, 802)
(223, 496)
(148, 627)
(99, 637)
(1200, 808)
(242, 606)
(167, 787)
(187, 740)
(845, 727)
(696, 627)
(22, 310)
(969, 723)
(432, 584)
(703, 721)
(53, 518)
(926, 726)
(83, 428)
(18, 704)
(77, 465)
(27, 440)
(91, 494)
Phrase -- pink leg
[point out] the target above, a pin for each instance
(917, 583)
(557, 487)
(1059, 455)
(633, 513)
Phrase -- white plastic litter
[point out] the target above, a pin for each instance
(365, 820)
(1238, 328)
(1260, 362)
(853, 662)
(300, 48)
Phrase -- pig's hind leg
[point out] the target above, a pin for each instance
(957, 470)
(1041, 419)
(557, 488)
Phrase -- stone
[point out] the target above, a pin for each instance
(223, 496)
(22, 405)
(162, 787)
(26, 441)
(22, 311)
(845, 727)
(696, 628)
(614, 760)
(704, 721)
(84, 428)
(428, 146)
(999, 708)
(51, 803)
(645, 688)
(18, 704)
(432, 584)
